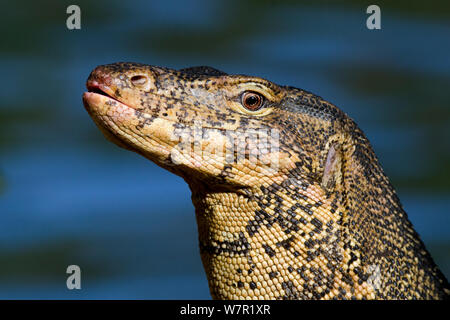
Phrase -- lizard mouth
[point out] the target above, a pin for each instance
(97, 88)
(97, 101)
(98, 91)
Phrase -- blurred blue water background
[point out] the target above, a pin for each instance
(67, 196)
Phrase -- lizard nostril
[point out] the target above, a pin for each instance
(139, 80)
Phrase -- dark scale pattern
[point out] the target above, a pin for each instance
(324, 224)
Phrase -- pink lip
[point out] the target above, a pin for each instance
(96, 87)
(92, 85)
(97, 93)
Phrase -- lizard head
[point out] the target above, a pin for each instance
(210, 127)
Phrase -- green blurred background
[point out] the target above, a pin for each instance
(67, 196)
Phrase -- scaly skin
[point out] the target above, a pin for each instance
(303, 211)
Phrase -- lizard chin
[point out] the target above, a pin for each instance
(154, 142)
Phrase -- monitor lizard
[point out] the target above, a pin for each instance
(291, 202)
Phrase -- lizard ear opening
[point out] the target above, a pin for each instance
(332, 172)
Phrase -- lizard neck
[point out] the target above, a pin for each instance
(296, 239)
(278, 242)
(384, 247)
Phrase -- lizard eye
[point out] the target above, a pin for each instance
(252, 101)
